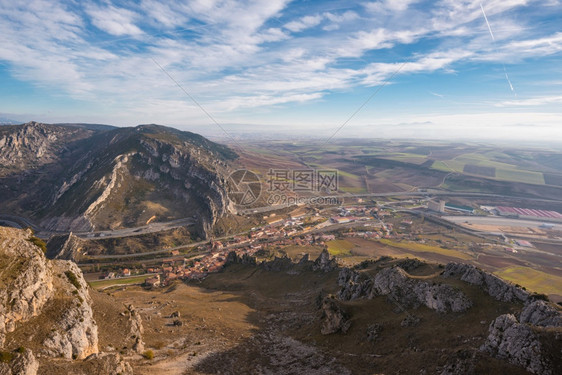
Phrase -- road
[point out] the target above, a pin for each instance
(22, 222)
(428, 193)
(127, 232)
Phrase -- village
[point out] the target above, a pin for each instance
(299, 229)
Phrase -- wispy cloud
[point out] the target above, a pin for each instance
(237, 55)
(538, 101)
(113, 20)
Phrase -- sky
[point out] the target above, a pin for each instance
(457, 69)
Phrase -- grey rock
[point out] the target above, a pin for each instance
(324, 262)
(517, 343)
(373, 332)
(410, 321)
(402, 290)
(107, 364)
(493, 285)
(334, 317)
(540, 313)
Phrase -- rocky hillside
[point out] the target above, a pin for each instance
(73, 178)
(46, 309)
(386, 316)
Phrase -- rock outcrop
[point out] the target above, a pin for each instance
(21, 364)
(324, 263)
(75, 335)
(107, 364)
(233, 258)
(137, 330)
(32, 284)
(283, 263)
(64, 246)
(540, 313)
(334, 317)
(81, 178)
(518, 344)
(401, 289)
(493, 285)
(26, 277)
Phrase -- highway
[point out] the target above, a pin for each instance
(22, 222)
(127, 232)
(429, 193)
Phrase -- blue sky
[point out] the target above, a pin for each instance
(296, 66)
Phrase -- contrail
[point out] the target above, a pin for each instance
(487, 23)
(494, 40)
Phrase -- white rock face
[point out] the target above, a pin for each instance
(76, 332)
(33, 282)
(400, 288)
(493, 285)
(518, 343)
(540, 313)
(137, 329)
(22, 364)
(27, 278)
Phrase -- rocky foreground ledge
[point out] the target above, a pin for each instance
(529, 336)
(51, 298)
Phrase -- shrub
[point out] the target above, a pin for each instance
(541, 296)
(73, 279)
(6, 357)
(20, 349)
(149, 354)
(38, 242)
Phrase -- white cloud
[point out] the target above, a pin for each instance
(304, 23)
(385, 6)
(113, 20)
(539, 101)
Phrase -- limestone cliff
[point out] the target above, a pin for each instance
(78, 179)
(34, 286)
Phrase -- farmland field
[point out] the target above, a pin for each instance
(532, 279)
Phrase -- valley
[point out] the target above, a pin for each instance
(293, 279)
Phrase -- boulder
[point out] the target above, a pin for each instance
(517, 343)
(324, 263)
(540, 313)
(334, 317)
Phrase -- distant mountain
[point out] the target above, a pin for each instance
(9, 121)
(93, 177)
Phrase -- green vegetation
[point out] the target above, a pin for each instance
(339, 247)
(536, 281)
(6, 357)
(149, 354)
(529, 177)
(38, 242)
(125, 281)
(73, 279)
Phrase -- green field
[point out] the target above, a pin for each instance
(504, 171)
(102, 284)
(536, 281)
(339, 247)
(514, 175)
